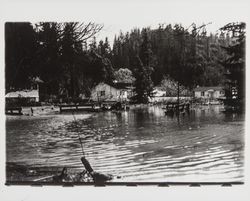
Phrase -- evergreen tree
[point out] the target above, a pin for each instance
(92, 45)
(74, 36)
(57, 54)
(48, 66)
(143, 83)
(143, 71)
(20, 55)
(104, 48)
(235, 65)
(71, 48)
(197, 60)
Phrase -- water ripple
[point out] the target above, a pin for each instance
(140, 145)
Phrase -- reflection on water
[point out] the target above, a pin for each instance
(142, 144)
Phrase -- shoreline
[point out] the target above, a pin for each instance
(40, 110)
(53, 110)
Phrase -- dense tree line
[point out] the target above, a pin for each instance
(69, 60)
(187, 55)
(57, 54)
(20, 49)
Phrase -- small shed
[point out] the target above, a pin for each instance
(27, 96)
(209, 92)
(158, 95)
(159, 92)
(111, 92)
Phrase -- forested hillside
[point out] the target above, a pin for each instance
(69, 60)
(189, 55)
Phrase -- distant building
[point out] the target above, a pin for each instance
(112, 92)
(159, 92)
(158, 95)
(22, 97)
(209, 92)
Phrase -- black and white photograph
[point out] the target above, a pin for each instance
(137, 100)
(155, 104)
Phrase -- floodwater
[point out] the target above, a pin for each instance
(142, 144)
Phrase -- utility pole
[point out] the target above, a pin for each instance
(182, 59)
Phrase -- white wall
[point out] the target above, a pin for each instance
(197, 94)
(216, 94)
(111, 93)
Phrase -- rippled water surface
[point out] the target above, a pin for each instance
(142, 144)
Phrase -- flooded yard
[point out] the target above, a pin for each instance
(142, 144)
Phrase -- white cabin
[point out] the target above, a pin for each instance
(114, 92)
(209, 92)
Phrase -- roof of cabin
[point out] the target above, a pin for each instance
(23, 94)
(218, 88)
(118, 85)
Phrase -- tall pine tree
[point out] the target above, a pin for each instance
(143, 71)
(20, 55)
(235, 65)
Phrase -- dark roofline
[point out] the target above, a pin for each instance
(119, 85)
(208, 88)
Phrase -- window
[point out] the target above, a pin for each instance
(202, 93)
(102, 93)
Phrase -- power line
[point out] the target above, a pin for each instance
(78, 134)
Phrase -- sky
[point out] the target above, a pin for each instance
(110, 30)
(123, 15)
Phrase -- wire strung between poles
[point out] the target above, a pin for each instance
(78, 135)
(97, 177)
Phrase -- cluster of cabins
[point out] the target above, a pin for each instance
(121, 92)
